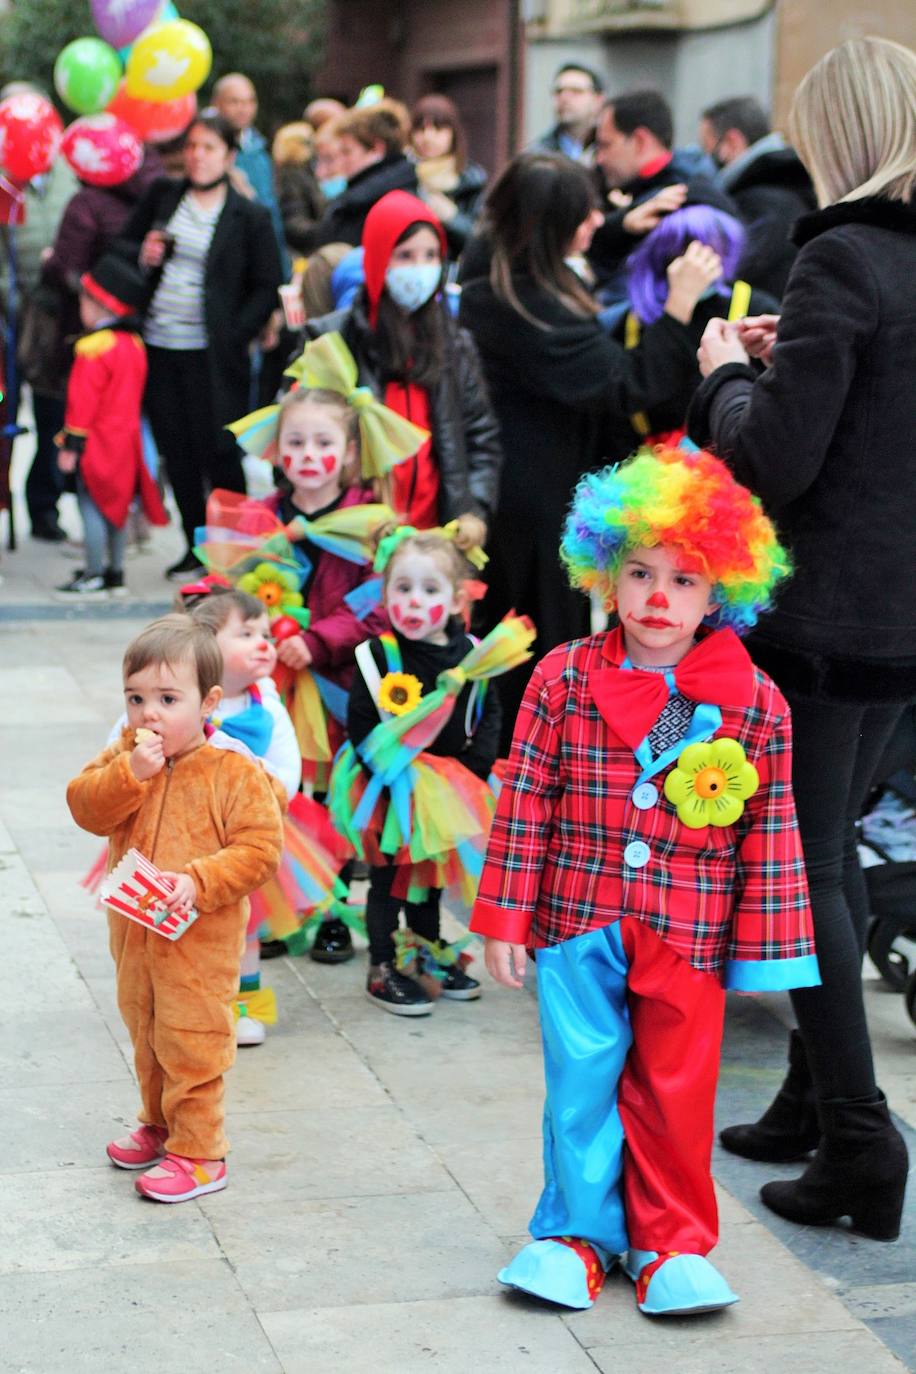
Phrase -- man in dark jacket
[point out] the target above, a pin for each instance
(577, 95)
(766, 180)
(647, 179)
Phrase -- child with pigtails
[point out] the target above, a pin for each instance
(645, 852)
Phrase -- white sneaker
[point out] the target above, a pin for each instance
(248, 1031)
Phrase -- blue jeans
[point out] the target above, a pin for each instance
(104, 541)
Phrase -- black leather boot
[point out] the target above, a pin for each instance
(859, 1171)
(789, 1127)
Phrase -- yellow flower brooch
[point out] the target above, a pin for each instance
(711, 783)
(399, 693)
(275, 586)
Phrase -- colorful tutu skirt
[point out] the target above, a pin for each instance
(437, 839)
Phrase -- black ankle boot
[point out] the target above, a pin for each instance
(859, 1171)
(789, 1127)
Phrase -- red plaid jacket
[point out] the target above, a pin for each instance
(732, 898)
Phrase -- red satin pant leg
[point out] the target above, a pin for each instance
(666, 1096)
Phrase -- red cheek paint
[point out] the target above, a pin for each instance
(658, 601)
(329, 462)
(435, 614)
(287, 461)
(396, 614)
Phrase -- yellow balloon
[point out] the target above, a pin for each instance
(168, 61)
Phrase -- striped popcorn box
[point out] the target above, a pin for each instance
(135, 889)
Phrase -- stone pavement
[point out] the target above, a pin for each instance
(382, 1171)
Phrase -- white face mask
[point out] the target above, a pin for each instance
(412, 284)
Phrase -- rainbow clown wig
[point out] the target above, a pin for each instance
(689, 502)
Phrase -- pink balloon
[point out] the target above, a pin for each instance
(30, 133)
(102, 149)
(156, 121)
(121, 21)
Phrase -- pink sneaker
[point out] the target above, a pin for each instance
(139, 1149)
(177, 1179)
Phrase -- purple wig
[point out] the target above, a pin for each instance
(648, 264)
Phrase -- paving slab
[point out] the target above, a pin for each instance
(187, 1316)
(418, 1337)
(91, 1218)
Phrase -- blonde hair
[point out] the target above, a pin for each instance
(441, 549)
(293, 144)
(176, 639)
(345, 415)
(853, 121)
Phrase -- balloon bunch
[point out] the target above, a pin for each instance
(136, 83)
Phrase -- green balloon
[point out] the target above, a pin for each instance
(86, 75)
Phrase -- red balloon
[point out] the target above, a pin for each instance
(102, 150)
(156, 121)
(284, 627)
(30, 134)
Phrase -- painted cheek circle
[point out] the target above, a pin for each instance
(329, 462)
(287, 461)
(435, 614)
(396, 613)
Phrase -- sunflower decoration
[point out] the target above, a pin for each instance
(277, 587)
(399, 693)
(711, 783)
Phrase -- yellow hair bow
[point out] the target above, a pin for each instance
(386, 438)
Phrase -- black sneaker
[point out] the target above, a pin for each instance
(114, 582)
(188, 564)
(82, 587)
(273, 949)
(459, 985)
(395, 992)
(333, 943)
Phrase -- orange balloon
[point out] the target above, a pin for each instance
(156, 121)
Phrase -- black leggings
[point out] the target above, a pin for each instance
(198, 455)
(382, 911)
(837, 749)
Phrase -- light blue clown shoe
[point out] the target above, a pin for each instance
(568, 1271)
(676, 1285)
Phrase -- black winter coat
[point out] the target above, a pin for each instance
(240, 284)
(344, 218)
(465, 432)
(825, 437)
(671, 413)
(771, 190)
(563, 396)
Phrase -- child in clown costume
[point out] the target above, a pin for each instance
(252, 719)
(328, 440)
(645, 850)
(409, 789)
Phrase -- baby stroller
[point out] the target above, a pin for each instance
(887, 849)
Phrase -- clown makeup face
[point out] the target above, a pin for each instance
(420, 596)
(247, 651)
(660, 605)
(165, 698)
(314, 452)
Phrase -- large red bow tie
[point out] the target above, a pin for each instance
(717, 670)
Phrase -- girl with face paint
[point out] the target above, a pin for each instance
(423, 593)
